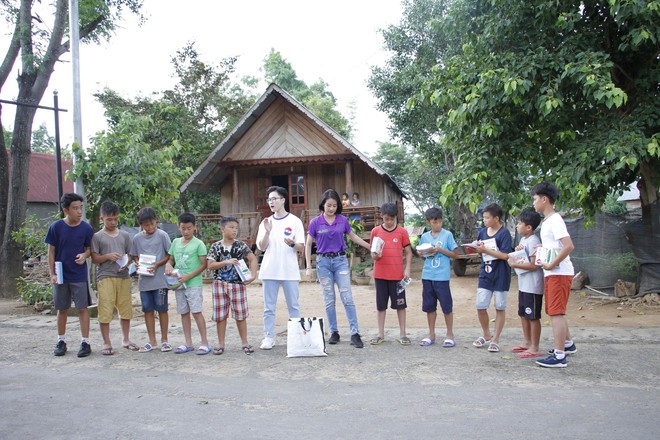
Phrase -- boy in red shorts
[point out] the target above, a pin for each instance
(558, 273)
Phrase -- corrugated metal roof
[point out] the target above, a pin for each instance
(42, 178)
(197, 181)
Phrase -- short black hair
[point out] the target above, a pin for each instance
(109, 208)
(146, 214)
(279, 190)
(68, 198)
(330, 194)
(187, 217)
(546, 189)
(228, 219)
(530, 218)
(433, 213)
(390, 209)
(345, 194)
(356, 194)
(495, 210)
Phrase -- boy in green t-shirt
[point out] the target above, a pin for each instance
(188, 257)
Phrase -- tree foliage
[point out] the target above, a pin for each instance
(315, 97)
(204, 104)
(559, 90)
(38, 40)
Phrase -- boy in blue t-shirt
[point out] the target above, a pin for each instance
(494, 244)
(435, 276)
(69, 244)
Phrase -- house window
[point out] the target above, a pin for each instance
(297, 189)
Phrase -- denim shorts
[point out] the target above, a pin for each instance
(434, 291)
(154, 300)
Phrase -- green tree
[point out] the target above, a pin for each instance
(42, 141)
(316, 97)
(415, 47)
(196, 113)
(39, 44)
(575, 101)
(121, 166)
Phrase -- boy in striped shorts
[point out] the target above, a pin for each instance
(229, 289)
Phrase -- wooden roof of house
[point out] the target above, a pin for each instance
(211, 175)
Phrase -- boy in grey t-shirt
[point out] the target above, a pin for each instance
(152, 244)
(110, 248)
(530, 286)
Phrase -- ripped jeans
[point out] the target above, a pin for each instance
(331, 270)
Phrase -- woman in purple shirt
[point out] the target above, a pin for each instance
(328, 230)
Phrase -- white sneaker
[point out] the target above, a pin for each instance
(267, 343)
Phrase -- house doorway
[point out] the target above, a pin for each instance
(295, 184)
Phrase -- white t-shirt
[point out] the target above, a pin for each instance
(280, 260)
(532, 280)
(553, 229)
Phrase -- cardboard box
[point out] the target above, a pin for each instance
(59, 272)
(377, 245)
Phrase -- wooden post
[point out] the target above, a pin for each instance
(234, 191)
(349, 177)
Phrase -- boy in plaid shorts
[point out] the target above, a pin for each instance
(228, 287)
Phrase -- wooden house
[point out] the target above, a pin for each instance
(280, 142)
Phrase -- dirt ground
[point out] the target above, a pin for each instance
(585, 309)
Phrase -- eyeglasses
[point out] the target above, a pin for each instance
(272, 199)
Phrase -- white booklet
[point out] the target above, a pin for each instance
(243, 270)
(545, 255)
(173, 280)
(492, 245)
(377, 245)
(520, 257)
(146, 262)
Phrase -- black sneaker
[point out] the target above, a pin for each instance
(356, 340)
(568, 350)
(334, 338)
(552, 362)
(60, 348)
(85, 350)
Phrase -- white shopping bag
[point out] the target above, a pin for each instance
(305, 337)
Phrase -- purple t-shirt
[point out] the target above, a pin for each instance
(68, 242)
(329, 238)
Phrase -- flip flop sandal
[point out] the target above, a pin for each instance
(528, 354)
(107, 351)
(493, 347)
(426, 342)
(405, 341)
(518, 349)
(146, 348)
(377, 340)
(480, 342)
(203, 349)
(218, 350)
(449, 343)
(247, 349)
(131, 346)
(183, 349)
(165, 346)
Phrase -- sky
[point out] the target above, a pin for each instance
(336, 41)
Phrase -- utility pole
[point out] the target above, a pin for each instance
(74, 39)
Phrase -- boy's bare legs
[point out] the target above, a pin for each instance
(559, 330)
(527, 333)
(62, 316)
(500, 317)
(449, 322)
(381, 323)
(150, 322)
(222, 331)
(164, 320)
(242, 331)
(431, 317)
(105, 334)
(83, 318)
(401, 316)
(482, 314)
(201, 326)
(534, 335)
(186, 323)
(125, 325)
